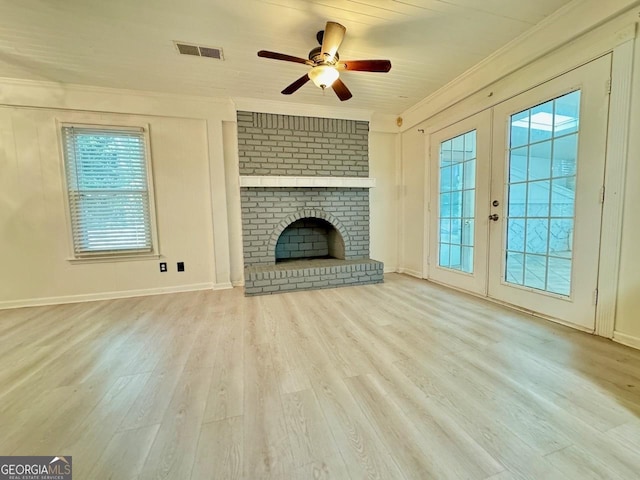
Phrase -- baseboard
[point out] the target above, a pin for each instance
(223, 286)
(238, 283)
(628, 340)
(89, 297)
(391, 270)
(413, 273)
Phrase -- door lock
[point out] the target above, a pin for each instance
(494, 217)
(495, 203)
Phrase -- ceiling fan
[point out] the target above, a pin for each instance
(326, 65)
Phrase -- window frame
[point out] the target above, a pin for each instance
(110, 255)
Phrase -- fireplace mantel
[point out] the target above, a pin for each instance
(291, 181)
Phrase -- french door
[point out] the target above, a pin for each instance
(460, 181)
(536, 204)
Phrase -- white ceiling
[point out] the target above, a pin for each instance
(129, 44)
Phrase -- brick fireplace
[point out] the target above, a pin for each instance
(305, 203)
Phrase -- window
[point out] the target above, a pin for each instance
(108, 190)
(543, 155)
(457, 202)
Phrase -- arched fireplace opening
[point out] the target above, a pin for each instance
(309, 238)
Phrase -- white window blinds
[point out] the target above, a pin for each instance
(108, 193)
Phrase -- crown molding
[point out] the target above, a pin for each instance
(47, 94)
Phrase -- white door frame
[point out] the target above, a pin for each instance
(614, 183)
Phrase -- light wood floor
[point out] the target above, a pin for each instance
(403, 380)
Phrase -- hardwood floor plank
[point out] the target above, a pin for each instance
(433, 420)
(364, 454)
(150, 406)
(574, 430)
(418, 456)
(288, 361)
(309, 435)
(575, 396)
(574, 462)
(526, 417)
(52, 419)
(267, 452)
(205, 347)
(97, 430)
(174, 449)
(124, 456)
(225, 399)
(483, 424)
(331, 468)
(317, 332)
(505, 475)
(255, 329)
(219, 453)
(627, 434)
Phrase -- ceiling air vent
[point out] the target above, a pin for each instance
(199, 50)
(211, 52)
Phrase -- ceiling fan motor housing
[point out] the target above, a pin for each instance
(316, 57)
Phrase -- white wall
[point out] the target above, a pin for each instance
(234, 211)
(628, 304)
(413, 213)
(529, 62)
(383, 199)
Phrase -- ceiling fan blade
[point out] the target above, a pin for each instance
(331, 40)
(296, 85)
(341, 90)
(365, 65)
(282, 56)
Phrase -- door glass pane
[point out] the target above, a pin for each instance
(444, 254)
(540, 160)
(518, 200)
(541, 194)
(538, 198)
(518, 170)
(456, 198)
(515, 235)
(515, 268)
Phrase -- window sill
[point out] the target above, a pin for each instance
(114, 258)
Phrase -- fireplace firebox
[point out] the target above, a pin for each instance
(307, 239)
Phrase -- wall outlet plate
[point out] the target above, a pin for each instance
(163, 267)
(181, 266)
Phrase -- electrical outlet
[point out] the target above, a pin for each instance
(181, 266)
(163, 267)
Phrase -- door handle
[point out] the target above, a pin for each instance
(494, 217)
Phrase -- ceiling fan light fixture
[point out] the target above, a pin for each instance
(323, 75)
